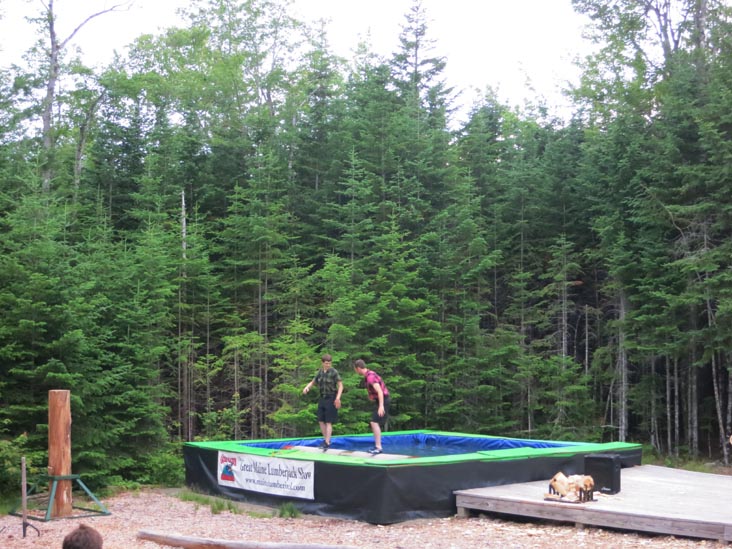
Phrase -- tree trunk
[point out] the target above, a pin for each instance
(564, 310)
(655, 435)
(237, 404)
(669, 404)
(59, 450)
(54, 50)
(587, 340)
(677, 408)
(718, 408)
(728, 424)
(693, 410)
(529, 409)
(81, 144)
(622, 370)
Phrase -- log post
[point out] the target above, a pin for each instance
(59, 450)
(187, 542)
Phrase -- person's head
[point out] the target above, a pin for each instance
(360, 366)
(84, 537)
(327, 361)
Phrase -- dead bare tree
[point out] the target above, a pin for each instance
(54, 53)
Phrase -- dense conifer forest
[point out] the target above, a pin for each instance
(186, 231)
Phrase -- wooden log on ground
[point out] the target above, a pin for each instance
(59, 450)
(187, 542)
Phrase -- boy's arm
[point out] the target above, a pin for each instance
(338, 394)
(380, 395)
(309, 386)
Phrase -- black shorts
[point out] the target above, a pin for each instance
(327, 412)
(376, 418)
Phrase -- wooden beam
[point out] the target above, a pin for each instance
(187, 542)
(59, 450)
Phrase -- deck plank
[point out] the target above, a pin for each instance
(651, 499)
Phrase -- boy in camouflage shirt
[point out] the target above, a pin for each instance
(331, 387)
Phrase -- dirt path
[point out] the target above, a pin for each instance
(161, 511)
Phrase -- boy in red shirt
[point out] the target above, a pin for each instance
(377, 392)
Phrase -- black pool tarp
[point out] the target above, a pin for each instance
(388, 491)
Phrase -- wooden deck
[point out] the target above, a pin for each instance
(651, 499)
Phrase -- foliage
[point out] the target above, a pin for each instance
(217, 505)
(288, 510)
(11, 454)
(211, 213)
(163, 468)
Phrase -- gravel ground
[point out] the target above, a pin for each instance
(162, 512)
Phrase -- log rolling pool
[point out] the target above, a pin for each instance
(415, 477)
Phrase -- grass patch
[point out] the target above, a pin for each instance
(221, 505)
(288, 510)
(8, 505)
(259, 514)
(217, 505)
(195, 497)
(689, 465)
(683, 461)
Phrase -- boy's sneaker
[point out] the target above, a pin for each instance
(374, 451)
(324, 445)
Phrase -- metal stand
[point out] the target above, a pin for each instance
(102, 510)
(91, 512)
(24, 483)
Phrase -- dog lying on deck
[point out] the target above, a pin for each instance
(573, 488)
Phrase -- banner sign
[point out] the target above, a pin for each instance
(281, 477)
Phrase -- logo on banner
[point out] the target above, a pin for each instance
(282, 477)
(227, 469)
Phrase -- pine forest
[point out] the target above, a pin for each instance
(185, 232)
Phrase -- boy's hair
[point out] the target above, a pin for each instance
(359, 363)
(326, 358)
(84, 537)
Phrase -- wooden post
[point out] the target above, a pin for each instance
(24, 493)
(187, 542)
(59, 450)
